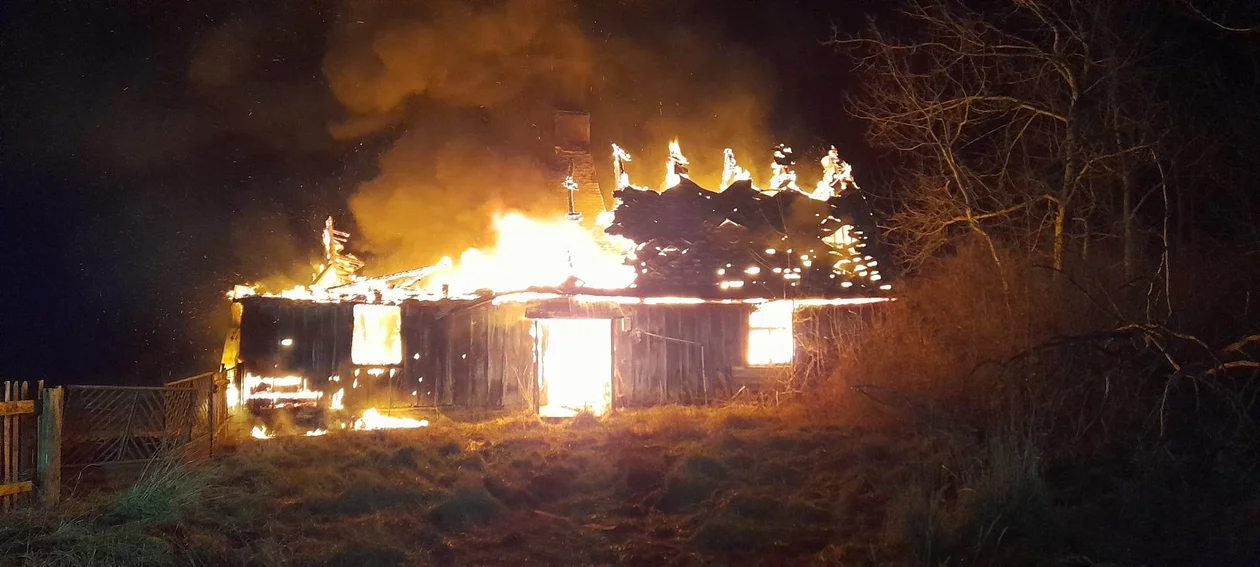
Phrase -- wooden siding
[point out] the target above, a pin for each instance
(424, 364)
(483, 355)
(490, 357)
(321, 335)
(657, 352)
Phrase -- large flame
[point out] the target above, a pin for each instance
(373, 420)
(274, 392)
(536, 253)
(676, 166)
(528, 252)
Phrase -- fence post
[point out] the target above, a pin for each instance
(48, 446)
(210, 409)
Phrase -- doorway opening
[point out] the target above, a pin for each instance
(574, 366)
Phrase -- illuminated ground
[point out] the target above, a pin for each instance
(660, 487)
(668, 486)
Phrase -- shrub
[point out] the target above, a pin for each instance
(160, 494)
(988, 497)
(465, 509)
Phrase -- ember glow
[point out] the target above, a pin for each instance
(276, 392)
(373, 420)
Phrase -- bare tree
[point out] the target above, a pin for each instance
(1010, 119)
(1218, 21)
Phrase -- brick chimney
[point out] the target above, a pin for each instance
(573, 154)
(573, 131)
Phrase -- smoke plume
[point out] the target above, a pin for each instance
(468, 92)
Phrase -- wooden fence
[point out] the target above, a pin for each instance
(30, 444)
(101, 432)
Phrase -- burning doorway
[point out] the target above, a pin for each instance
(575, 366)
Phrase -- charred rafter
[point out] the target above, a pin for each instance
(746, 242)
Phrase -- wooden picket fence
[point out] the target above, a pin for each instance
(30, 444)
(101, 435)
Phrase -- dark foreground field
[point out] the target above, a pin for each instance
(669, 486)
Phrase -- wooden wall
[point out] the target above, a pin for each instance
(652, 370)
(321, 335)
(489, 357)
(652, 365)
(482, 355)
(424, 367)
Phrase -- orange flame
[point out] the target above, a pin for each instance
(536, 253)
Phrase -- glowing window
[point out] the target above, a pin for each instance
(770, 334)
(377, 335)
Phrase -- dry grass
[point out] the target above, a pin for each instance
(739, 485)
(665, 486)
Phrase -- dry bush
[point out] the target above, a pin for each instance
(920, 353)
(1114, 389)
(1083, 357)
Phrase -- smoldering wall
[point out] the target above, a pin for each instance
(467, 93)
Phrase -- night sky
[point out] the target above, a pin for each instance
(154, 153)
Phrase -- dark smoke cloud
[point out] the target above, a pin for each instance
(155, 153)
(469, 90)
(464, 54)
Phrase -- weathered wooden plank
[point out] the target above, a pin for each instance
(635, 384)
(15, 438)
(6, 434)
(15, 488)
(17, 407)
(441, 369)
(673, 353)
(480, 356)
(536, 401)
(48, 461)
(629, 357)
(26, 440)
(693, 331)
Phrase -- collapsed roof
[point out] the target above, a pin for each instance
(739, 243)
(743, 242)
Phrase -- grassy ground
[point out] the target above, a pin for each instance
(670, 486)
(667, 486)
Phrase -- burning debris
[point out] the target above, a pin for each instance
(744, 241)
(371, 420)
(620, 159)
(680, 232)
(784, 169)
(339, 268)
(731, 171)
(676, 167)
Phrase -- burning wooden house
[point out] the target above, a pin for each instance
(633, 298)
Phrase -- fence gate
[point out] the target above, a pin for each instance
(112, 432)
(17, 441)
(209, 413)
